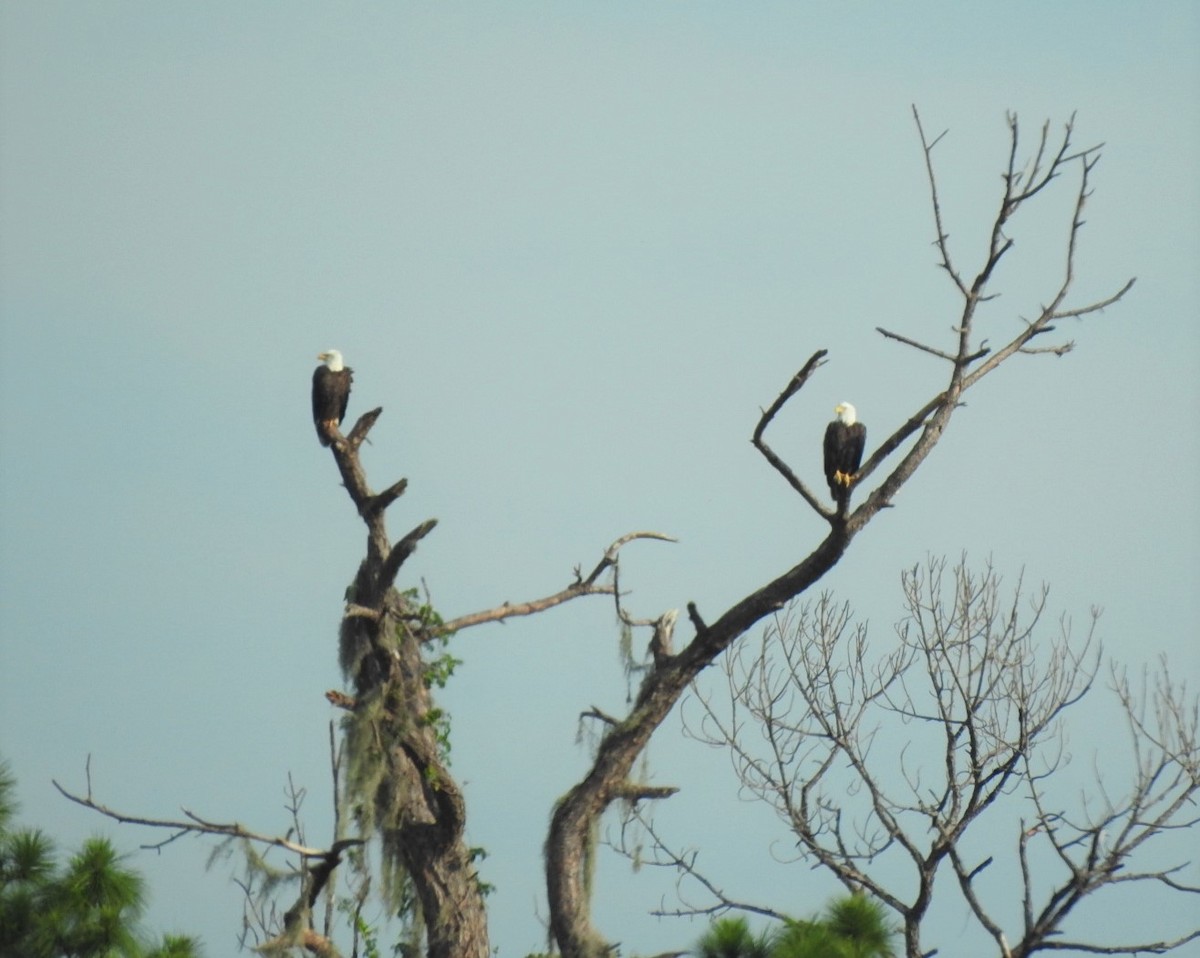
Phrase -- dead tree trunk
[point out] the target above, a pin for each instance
(398, 777)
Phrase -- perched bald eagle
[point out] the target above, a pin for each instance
(331, 392)
(845, 439)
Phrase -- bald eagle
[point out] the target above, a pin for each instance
(330, 393)
(844, 441)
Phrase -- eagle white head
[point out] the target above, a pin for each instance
(846, 413)
(333, 360)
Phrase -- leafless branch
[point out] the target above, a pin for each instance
(1148, 948)
(1020, 186)
(589, 585)
(1042, 350)
(599, 715)
(684, 863)
(194, 824)
(405, 548)
(927, 146)
(940, 353)
(794, 386)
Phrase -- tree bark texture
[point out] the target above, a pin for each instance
(397, 764)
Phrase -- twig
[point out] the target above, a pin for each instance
(927, 146)
(941, 354)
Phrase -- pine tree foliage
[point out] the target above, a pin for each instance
(732, 938)
(853, 926)
(88, 908)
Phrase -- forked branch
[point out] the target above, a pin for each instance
(589, 585)
(629, 844)
(794, 386)
(193, 824)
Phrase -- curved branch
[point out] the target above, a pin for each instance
(508, 610)
(927, 147)
(404, 548)
(940, 353)
(684, 863)
(612, 552)
(794, 386)
(580, 587)
(363, 426)
(194, 824)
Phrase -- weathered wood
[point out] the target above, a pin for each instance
(419, 810)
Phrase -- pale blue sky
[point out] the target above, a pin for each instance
(571, 249)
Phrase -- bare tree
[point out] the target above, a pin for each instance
(948, 746)
(969, 359)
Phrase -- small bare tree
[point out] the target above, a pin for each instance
(943, 751)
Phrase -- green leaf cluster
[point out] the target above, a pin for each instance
(427, 619)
